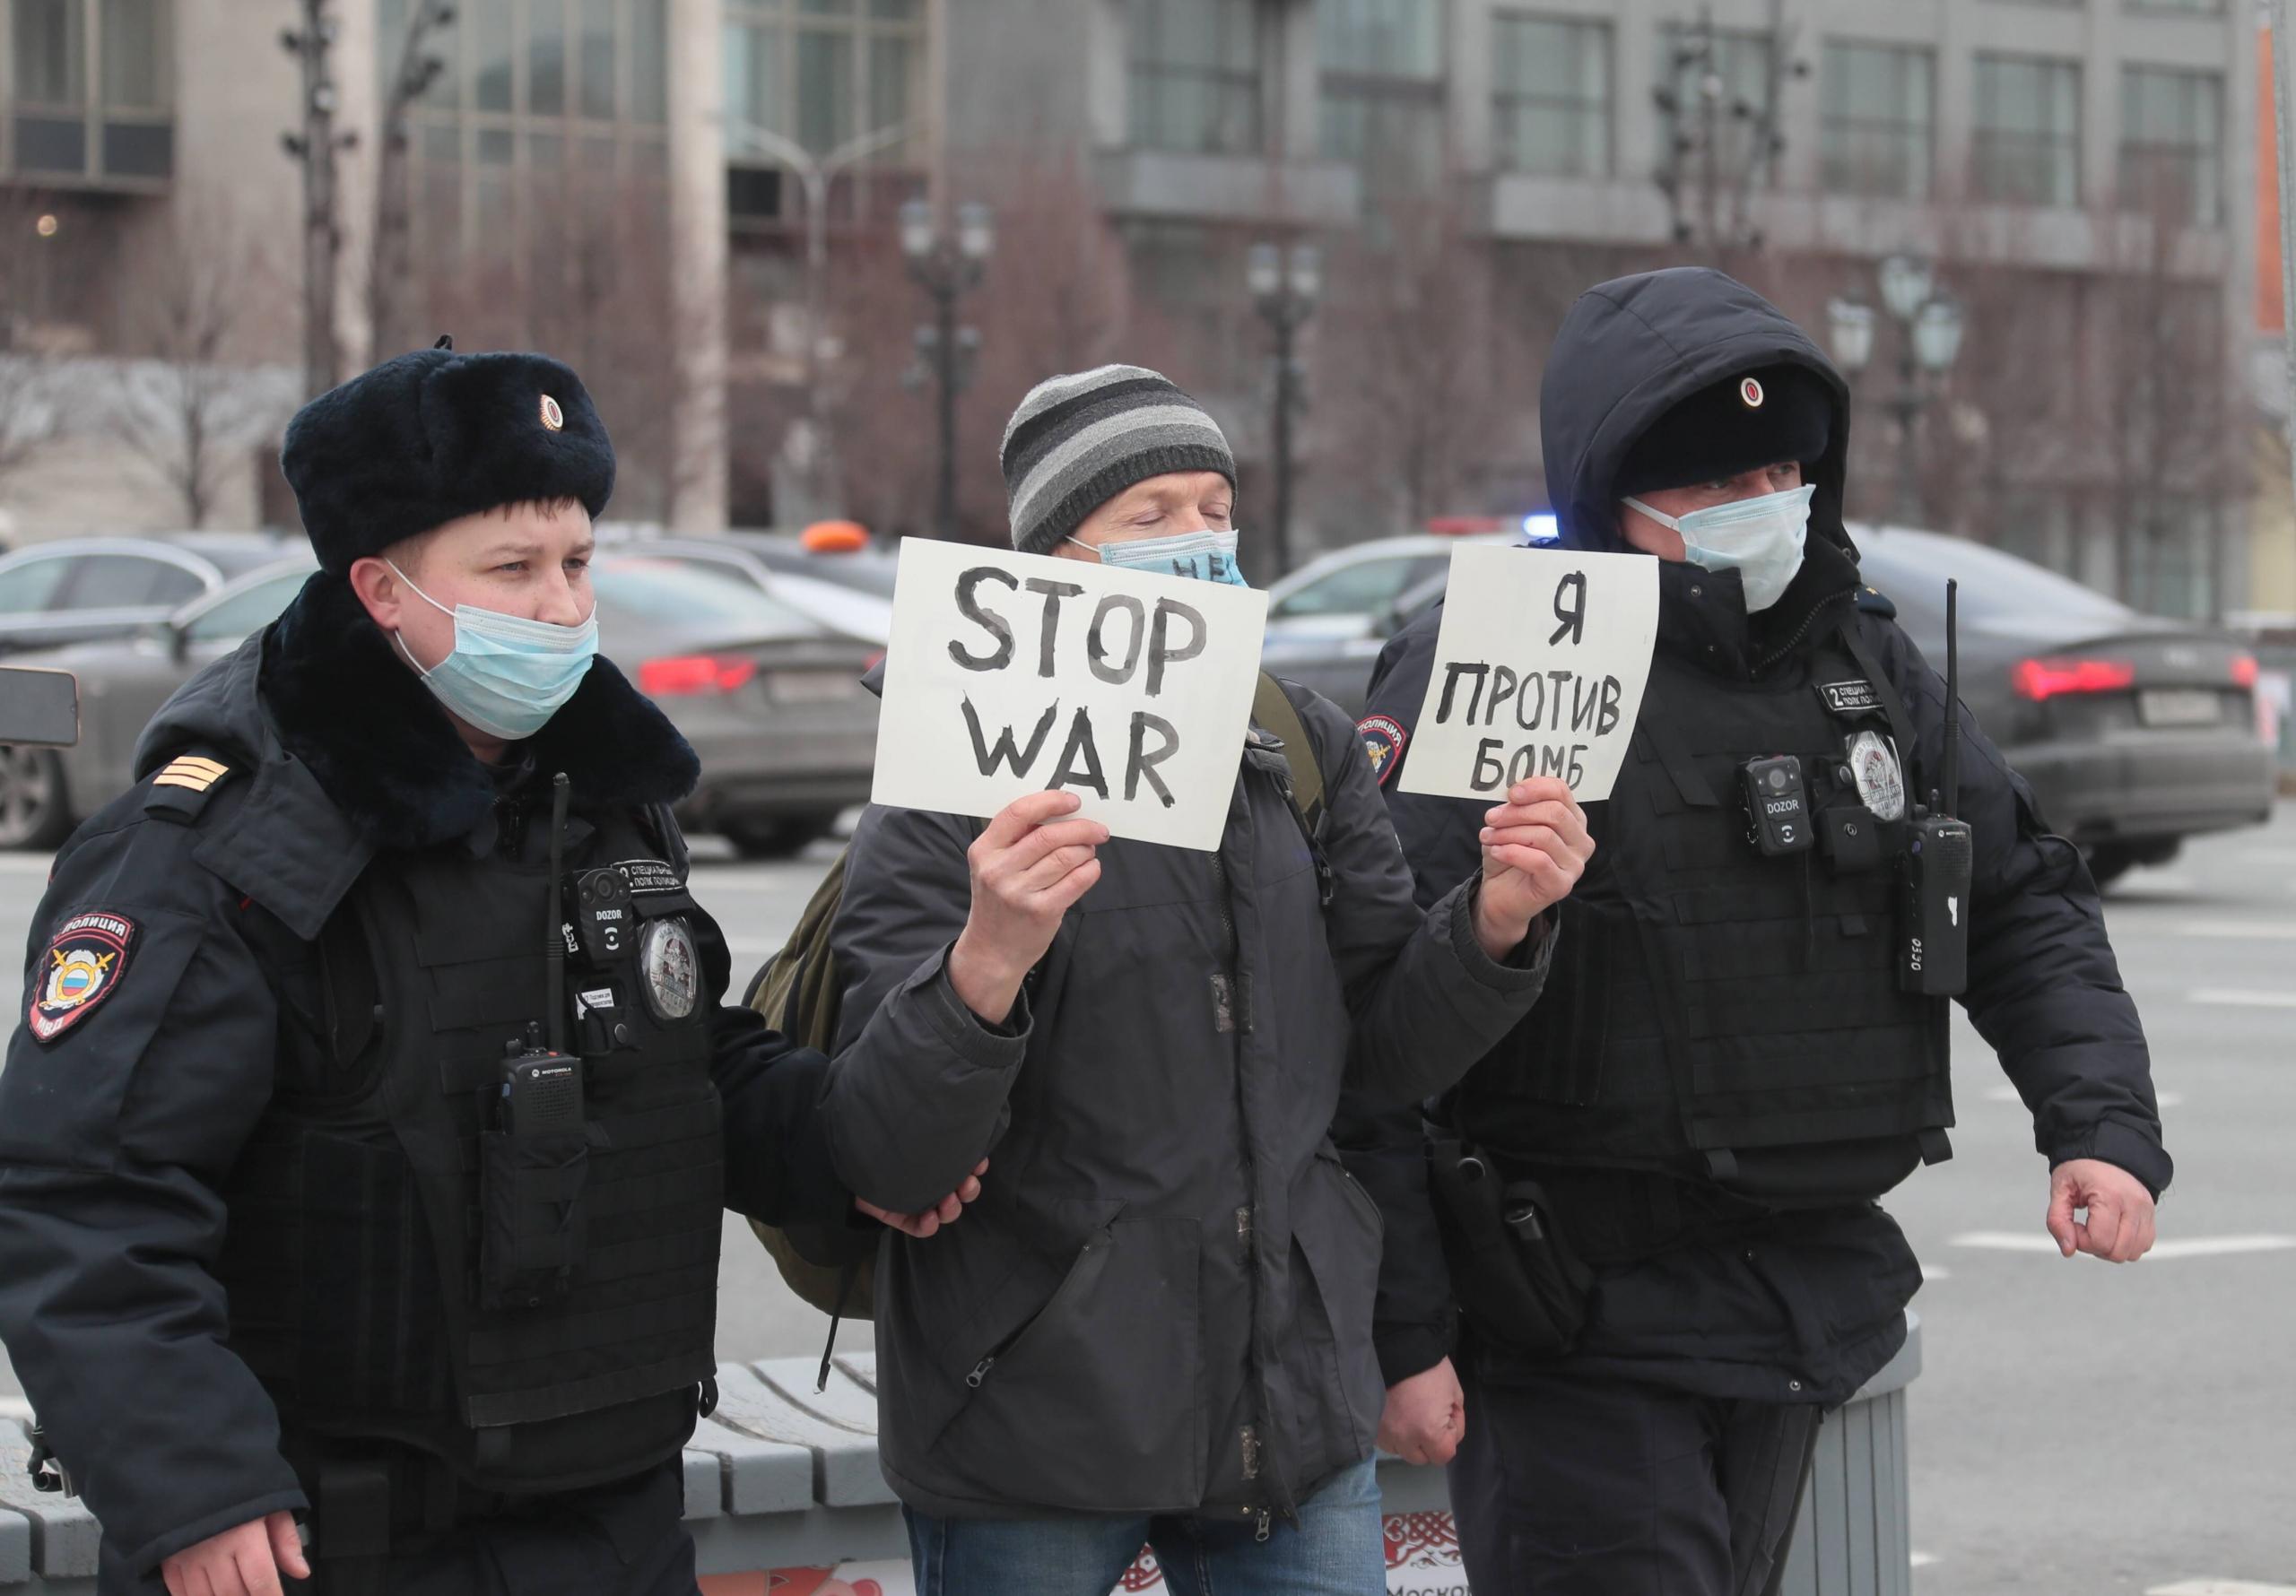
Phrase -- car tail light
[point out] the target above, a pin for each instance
(2043, 679)
(684, 675)
(2244, 670)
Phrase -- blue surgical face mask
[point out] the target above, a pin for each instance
(1208, 556)
(1760, 538)
(506, 676)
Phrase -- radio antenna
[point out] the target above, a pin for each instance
(555, 953)
(1952, 762)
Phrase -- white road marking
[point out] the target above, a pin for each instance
(2197, 1246)
(1922, 1559)
(2008, 1094)
(2238, 931)
(2230, 997)
(2145, 882)
(1936, 1271)
(2220, 1587)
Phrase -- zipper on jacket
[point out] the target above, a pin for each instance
(980, 1371)
(1800, 632)
(1260, 1533)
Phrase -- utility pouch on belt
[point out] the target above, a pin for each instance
(532, 1169)
(1514, 1276)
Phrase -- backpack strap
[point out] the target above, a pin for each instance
(1272, 706)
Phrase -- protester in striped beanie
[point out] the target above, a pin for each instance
(1076, 442)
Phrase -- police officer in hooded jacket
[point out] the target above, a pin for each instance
(1727, 1071)
(324, 1192)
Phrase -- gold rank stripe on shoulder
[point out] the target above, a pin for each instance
(193, 772)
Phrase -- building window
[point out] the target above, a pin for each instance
(1877, 126)
(541, 140)
(1550, 106)
(90, 92)
(1382, 66)
(1720, 89)
(824, 74)
(1196, 76)
(2027, 143)
(2172, 142)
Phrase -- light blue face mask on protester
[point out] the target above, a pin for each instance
(1207, 556)
(1761, 538)
(506, 676)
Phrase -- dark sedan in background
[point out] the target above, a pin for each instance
(768, 696)
(2134, 732)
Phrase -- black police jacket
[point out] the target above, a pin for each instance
(176, 936)
(1808, 1305)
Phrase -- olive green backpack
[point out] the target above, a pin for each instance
(799, 989)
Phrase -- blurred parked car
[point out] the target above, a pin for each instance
(856, 611)
(1328, 621)
(70, 589)
(769, 697)
(2134, 732)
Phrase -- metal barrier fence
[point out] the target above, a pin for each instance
(782, 1493)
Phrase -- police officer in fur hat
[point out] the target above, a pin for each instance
(365, 1140)
(1677, 1262)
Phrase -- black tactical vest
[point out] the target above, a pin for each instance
(1714, 1013)
(536, 1311)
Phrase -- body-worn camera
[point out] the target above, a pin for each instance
(604, 922)
(1778, 804)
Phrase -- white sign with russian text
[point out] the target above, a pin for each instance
(1539, 670)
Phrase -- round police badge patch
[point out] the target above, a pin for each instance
(670, 967)
(1873, 766)
(80, 968)
(1383, 741)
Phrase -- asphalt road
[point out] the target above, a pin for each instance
(2080, 1429)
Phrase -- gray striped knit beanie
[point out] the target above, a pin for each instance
(1078, 441)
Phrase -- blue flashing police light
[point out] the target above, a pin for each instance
(1542, 529)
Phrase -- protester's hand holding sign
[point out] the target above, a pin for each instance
(1028, 867)
(1535, 849)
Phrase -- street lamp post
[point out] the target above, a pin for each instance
(1285, 291)
(1929, 340)
(946, 267)
(813, 174)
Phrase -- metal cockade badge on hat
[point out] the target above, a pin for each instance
(553, 417)
(1749, 390)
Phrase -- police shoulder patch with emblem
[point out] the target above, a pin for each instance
(669, 969)
(1383, 740)
(81, 967)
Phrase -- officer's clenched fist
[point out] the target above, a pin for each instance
(1535, 849)
(1028, 866)
(244, 1561)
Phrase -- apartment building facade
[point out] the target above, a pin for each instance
(1562, 136)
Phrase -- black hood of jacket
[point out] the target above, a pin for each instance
(1631, 350)
(322, 693)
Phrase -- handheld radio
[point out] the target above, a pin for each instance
(1934, 950)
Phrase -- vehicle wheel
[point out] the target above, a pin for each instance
(33, 810)
(778, 838)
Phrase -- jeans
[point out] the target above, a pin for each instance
(1339, 1549)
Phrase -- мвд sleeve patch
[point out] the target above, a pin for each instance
(83, 965)
(1383, 740)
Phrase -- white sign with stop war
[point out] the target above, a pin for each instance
(1539, 669)
(1012, 673)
